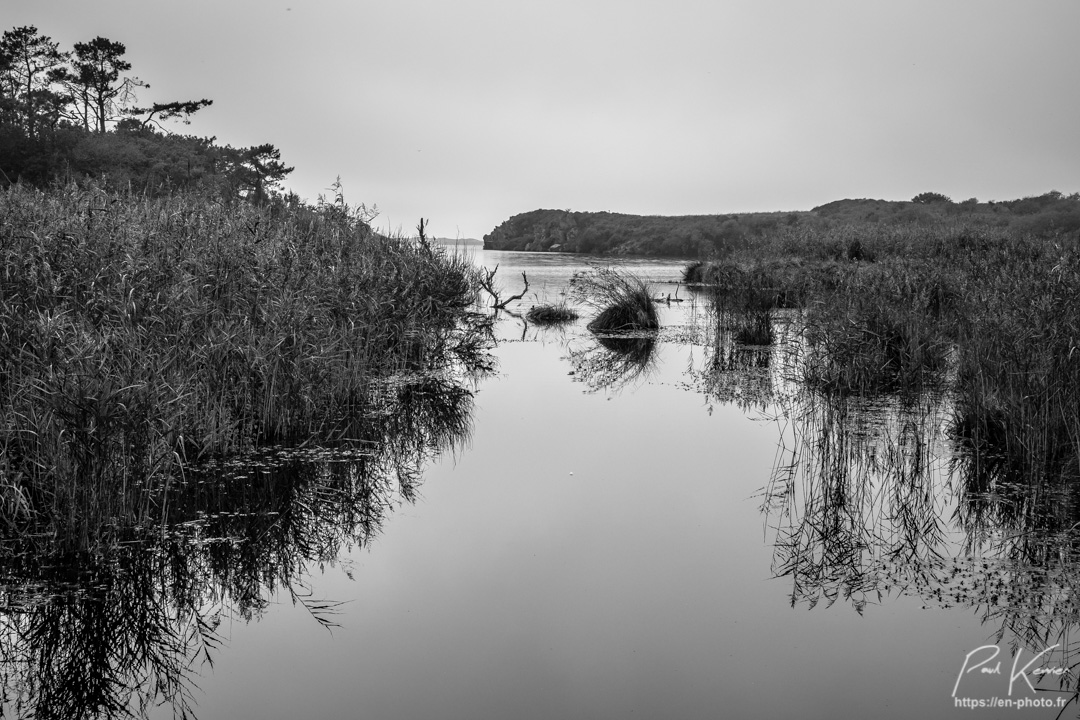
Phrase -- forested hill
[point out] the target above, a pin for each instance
(620, 234)
(605, 233)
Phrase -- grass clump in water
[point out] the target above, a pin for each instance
(743, 298)
(558, 313)
(624, 300)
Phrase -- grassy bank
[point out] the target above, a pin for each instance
(141, 334)
(990, 316)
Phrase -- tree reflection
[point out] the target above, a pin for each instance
(118, 630)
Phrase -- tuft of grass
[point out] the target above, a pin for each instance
(551, 314)
(623, 299)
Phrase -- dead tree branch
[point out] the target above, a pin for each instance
(487, 282)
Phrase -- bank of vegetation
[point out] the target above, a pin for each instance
(164, 301)
(990, 316)
(717, 236)
(143, 334)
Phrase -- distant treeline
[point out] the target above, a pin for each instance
(699, 236)
(73, 115)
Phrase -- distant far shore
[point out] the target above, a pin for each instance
(700, 236)
(458, 241)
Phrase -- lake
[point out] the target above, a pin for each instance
(667, 528)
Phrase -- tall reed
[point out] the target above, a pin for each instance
(988, 315)
(875, 333)
(139, 334)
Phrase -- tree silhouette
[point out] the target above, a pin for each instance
(31, 66)
(159, 112)
(98, 93)
(927, 198)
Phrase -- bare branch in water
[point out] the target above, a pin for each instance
(487, 282)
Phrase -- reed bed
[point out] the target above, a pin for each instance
(743, 298)
(1018, 366)
(138, 334)
(875, 333)
(987, 315)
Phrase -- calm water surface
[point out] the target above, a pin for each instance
(610, 545)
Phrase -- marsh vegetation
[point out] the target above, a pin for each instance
(929, 386)
(212, 394)
(199, 401)
(143, 335)
(875, 490)
(989, 317)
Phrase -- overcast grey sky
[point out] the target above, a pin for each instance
(469, 111)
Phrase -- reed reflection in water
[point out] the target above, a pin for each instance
(119, 630)
(857, 496)
(612, 362)
(882, 494)
(877, 497)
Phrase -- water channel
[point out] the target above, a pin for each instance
(675, 533)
